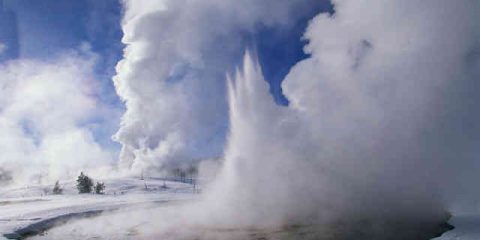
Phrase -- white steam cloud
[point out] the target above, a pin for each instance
(380, 131)
(172, 77)
(381, 121)
(377, 115)
(46, 110)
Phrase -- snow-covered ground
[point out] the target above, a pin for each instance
(117, 214)
(467, 227)
(32, 208)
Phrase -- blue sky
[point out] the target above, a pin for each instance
(280, 49)
(50, 27)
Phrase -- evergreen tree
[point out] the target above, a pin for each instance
(57, 189)
(84, 183)
(99, 188)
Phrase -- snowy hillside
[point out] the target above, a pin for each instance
(31, 210)
(467, 227)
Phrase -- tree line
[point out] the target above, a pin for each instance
(84, 185)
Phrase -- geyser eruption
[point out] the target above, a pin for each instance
(282, 171)
(172, 77)
(374, 137)
(379, 127)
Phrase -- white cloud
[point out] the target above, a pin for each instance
(45, 111)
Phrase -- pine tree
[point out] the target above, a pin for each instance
(84, 183)
(57, 190)
(99, 188)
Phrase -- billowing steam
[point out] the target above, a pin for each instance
(380, 125)
(46, 110)
(172, 78)
(378, 114)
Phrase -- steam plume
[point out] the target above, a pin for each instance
(376, 116)
(46, 111)
(380, 130)
(377, 113)
(172, 76)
